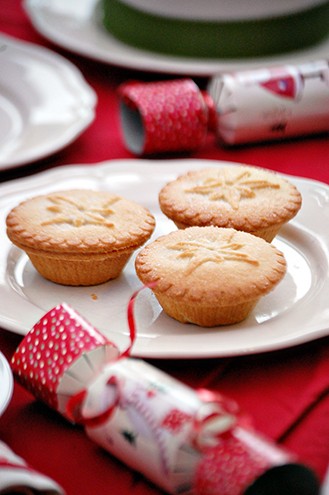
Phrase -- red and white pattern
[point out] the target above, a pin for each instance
(56, 344)
(183, 440)
(271, 103)
(175, 115)
(228, 469)
(284, 82)
(16, 476)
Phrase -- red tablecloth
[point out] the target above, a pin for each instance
(286, 392)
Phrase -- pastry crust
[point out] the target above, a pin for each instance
(79, 237)
(242, 197)
(209, 275)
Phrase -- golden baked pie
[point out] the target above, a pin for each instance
(242, 197)
(79, 237)
(210, 276)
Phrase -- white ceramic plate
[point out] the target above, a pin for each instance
(75, 25)
(296, 311)
(6, 383)
(45, 103)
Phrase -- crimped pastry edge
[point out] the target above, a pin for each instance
(27, 236)
(190, 216)
(164, 284)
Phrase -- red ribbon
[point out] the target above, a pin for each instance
(74, 404)
(225, 405)
(74, 407)
(4, 463)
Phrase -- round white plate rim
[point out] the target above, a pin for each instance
(103, 47)
(85, 97)
(145, 347)
(6, 383)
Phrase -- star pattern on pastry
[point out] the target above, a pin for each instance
(231, 189)
(77, 214)
(201, 252)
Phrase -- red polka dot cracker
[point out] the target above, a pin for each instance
(183, 440)
(53, 360)
(231, 466)
(165, 116)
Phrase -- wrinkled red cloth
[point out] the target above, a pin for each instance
(284, 392)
